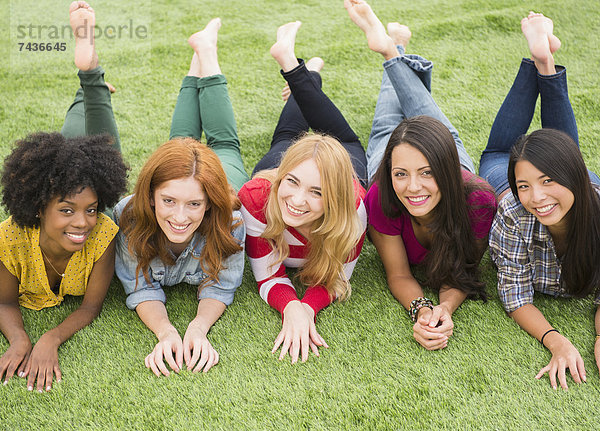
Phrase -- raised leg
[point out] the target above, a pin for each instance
(318, 111)
(515, 114)
(291, 125)
(218, 123)
(203, 104)
(91, 112)
(416, 100)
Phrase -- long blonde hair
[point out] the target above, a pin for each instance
(336, 233)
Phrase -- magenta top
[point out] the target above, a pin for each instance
(482, 208)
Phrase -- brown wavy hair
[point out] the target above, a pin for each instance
(336, 233)
(454, 256)
(176, 159)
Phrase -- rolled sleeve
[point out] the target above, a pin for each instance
(508, 250)
(137, 289)
(230, 277)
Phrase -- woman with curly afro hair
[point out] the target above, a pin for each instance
(56, 242)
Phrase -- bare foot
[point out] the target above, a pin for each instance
(82, 19)
(315, 64)
(283, 50)
(549, 26)
(205, 61)
(377, 39)
(399, 33)
(535, 27)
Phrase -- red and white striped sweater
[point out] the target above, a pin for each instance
(274, 285)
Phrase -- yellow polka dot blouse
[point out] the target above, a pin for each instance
(21, 254)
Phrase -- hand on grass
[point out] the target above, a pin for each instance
(564, 355)
(433, 327)
(42, 365)
(170, 343)
(197, 348)
(16, 357)
(299, 333)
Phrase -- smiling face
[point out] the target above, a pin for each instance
(300, 198)
(179, 206)
(413, 181)
(66, 223)
(546, 199)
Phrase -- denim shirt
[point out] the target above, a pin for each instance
(187, 269)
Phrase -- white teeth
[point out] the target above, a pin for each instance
(417, 198)
(545, 208)
(76, 236)
(294, 210)
(180, 227)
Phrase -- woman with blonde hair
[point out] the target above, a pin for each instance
(181, 224)
(305, 210)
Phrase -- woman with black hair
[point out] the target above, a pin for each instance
(546, 235)
(57, 242)
(425, 204)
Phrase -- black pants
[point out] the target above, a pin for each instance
(308, 107)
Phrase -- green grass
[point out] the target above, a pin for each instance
(374, 375)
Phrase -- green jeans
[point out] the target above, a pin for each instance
(91, 112)
(203, 104)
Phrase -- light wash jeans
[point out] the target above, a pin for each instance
(405, 93)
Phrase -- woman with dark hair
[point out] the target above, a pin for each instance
(425, 204)
(56, 241)
(304, 208)
(546, 235)
(181, 223)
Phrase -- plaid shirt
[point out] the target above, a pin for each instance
(524, 253)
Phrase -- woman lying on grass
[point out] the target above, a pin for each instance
(305, 210)
(546, 235)
(181, 224)
(425, 205)
(56, 242)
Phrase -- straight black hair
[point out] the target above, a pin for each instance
(556, 155)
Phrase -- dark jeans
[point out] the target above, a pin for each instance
(91, 112)
(308, 107)
(515, 115)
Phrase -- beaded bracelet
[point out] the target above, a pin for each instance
(417, 304)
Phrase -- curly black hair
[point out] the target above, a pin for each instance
(44, 166)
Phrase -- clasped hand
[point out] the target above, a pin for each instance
(433, 328)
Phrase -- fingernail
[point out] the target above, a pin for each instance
(48, 388)
(554, 387)
(30, 388)
(5, 382)
(59, 380)
(22, 374)
(40, 391)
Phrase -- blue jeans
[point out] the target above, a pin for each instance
(405, 93)
(515, 115)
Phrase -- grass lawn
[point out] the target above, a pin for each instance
(374, 375)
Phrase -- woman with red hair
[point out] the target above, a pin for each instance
(181, 225)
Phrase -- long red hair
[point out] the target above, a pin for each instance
(175, 159)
